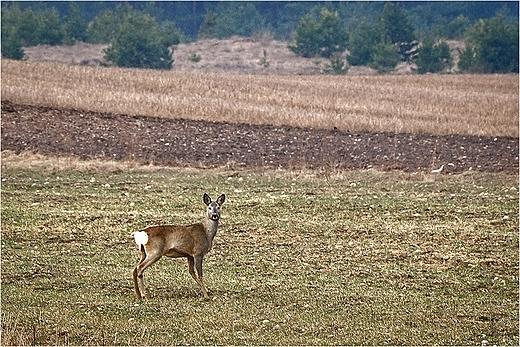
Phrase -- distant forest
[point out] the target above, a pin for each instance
(376, 34)
(280, 19)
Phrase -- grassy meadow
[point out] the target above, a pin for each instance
(361, 257)
(484, 105)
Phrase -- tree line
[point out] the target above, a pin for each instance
(376, 34)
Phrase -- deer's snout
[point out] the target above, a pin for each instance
(215, 216)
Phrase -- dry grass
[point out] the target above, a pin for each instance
(79, 53)
(39, 162)
(236, 55)
(243, 55)
(441, 104)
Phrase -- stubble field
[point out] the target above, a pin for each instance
(485, 105)
(303, 257)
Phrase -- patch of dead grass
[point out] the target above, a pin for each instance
(78, 54)
(39, 162)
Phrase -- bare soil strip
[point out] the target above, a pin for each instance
(181, 142)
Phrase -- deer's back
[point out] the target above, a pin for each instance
(178, 241)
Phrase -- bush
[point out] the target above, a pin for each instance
(264, 61)
(194, 57)
(434, 57)
(323, 36)
(138, 42)
(336, 65)
(384, 57)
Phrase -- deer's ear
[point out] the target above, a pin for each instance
(207, 199)
(221, 199)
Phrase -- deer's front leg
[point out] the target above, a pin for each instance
(191, 268)
(198, 278)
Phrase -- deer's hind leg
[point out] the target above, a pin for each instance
(138, 273)
(135, 276)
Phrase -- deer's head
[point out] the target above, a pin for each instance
(213, 210)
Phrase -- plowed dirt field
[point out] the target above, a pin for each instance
(92, 135)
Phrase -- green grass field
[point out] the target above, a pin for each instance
(354, 258)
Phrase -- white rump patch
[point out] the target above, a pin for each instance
(140, 238)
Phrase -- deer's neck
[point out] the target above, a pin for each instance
(211, 228)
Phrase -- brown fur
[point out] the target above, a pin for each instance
(191, 242)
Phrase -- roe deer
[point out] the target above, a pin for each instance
(192, 242)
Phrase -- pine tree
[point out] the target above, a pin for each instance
(75, 26)
(384, 57)
(138, 43)
(12, 46)
(208, 28)
(362, 43)
(321, 36)
(102, 27)
(238, 18)
(492, 46)
(396, 28)
(50, 27)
